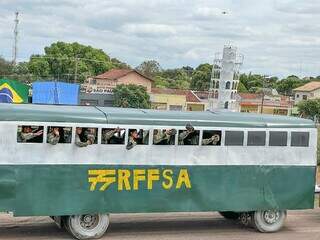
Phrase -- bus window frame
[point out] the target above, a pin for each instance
(44, 133)
(151, 133)
(60, 126)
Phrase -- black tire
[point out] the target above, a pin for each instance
(89, 226)
(230, 215)
(269, 221)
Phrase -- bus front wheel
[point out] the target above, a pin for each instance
(269, 221)
(87, 226)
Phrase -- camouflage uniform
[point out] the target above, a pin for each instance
(79, 143)
(108, 134)
(160, 136)
(53, 139)
(214, 140)
(24, 137)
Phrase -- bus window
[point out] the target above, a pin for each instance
(59, 135)
(278, 138)
(164, 136)
(256, 138)
(138, 136)
(299, 139)
(211, 137)
(234, 138)
(189, 137)
(113, 135)
(86, 136)
(30, 134)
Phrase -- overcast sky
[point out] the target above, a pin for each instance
(276, 37)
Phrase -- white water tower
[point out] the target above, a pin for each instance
(225, 79)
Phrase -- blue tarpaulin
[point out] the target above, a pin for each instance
(55, 93)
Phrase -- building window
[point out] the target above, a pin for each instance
(234, 138)
(299, 139)
(304, 97)
(297, 96)
(256, 138)
(217, 84)
(226, 105)
(278, 138)
(228, 85)
(175, 107)
(216, 94)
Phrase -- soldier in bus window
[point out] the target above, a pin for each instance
(59, 135)
(30, 134)
(211, 138)
(85, 137)
(113, 136)
(188, 136)
(164, 136)
(53, 135)
(137, 137)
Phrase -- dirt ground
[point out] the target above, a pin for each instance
(170, 226)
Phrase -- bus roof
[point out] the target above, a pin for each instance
(109, 115)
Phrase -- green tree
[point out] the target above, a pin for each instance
(309, 108)
(149, 68)
(201, 77)
(71, 61)
(131, 96)
(5, 68)
(285, 86)
(242, 88)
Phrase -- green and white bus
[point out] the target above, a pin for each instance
(256, 165)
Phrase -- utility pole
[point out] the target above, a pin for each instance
(76, 70)
(15, 32)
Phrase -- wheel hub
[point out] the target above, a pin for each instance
(89, 221)
(271, 217)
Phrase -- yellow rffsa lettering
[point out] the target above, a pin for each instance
(128, 180)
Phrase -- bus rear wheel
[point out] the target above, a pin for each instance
(269, 221)
(88, 226)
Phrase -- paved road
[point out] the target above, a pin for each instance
(299, 225)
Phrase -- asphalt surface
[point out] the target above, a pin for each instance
(303, 224)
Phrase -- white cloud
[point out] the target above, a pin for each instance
(274, 36)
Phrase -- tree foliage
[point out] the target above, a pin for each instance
(309, 108)
(201, 77)
(131, 96)
(5, 67)
(285, 86)
(71, 62)
(149, 68)
(174, 78)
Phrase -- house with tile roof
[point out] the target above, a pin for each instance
(256, 103)
(310, 90)
(104, 83)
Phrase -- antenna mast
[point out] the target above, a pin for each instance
(15, 32)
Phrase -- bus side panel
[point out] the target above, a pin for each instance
(66, 190)
(7, 188)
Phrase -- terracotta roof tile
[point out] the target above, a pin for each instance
(118, 73)
(191, 97)
(311, 86)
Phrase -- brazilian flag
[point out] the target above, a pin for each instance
(13, 91)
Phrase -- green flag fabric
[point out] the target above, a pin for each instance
(12, 91)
